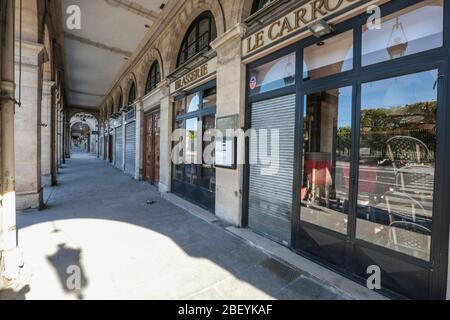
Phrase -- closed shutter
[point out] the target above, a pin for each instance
(270, 196)
(100, 146)
(130, 148)
(118, 147)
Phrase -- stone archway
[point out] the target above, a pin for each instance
(191, 10)
(152, 55)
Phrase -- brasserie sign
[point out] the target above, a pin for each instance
(300, 18)
(194, 75)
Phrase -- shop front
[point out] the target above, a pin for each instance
(361, 141)
(194, 110)
(193, 90)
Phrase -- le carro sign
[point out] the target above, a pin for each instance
(298, 19)
(194, 75)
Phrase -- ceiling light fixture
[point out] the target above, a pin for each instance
(320, 28)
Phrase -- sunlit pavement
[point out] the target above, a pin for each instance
(101, 222)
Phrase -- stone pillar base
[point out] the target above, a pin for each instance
(163, 188)
(30, 201)
(47, 180)
(11, 262)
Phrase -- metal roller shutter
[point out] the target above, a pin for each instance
(100, 146)
(130, 148)
(270, 196)
(118, 147)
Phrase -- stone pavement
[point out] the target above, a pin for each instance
(127, 242)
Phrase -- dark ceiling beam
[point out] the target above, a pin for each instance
(134, 8)
(98, 45)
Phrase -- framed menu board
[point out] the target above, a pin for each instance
(226, 148)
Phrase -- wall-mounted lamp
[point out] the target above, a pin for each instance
(320, 28)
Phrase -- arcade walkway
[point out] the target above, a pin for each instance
(129, 243)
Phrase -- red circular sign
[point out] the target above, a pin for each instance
(253, 83)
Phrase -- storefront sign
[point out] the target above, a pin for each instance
(294, 21)
(194, 76)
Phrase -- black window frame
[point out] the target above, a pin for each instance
(183, 55)
(258, 5)
(132, 96)
(196, 192)
(153, 78)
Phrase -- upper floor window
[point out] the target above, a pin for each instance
(198, 37)
(120, 103)
(132, 95)
(260, 4)
(154, 77)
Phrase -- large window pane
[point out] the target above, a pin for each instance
(397, 163)
(329, 57)
(412, 30)
(274, 75)
(327, 144)
(191, 148)
(193, 102)
(208, 173)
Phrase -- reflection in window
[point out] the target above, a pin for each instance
(132, 94)
(191, 150)
(260, 4)
(178, 169)
(274, 75)
(412, 30)
(154, 77)
(327, 143)
(200, 34)
(179, 107)
(208, 173)
(193, 102)
(329, 57)
(209, 98)
(397, 161)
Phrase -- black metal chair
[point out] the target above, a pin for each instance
(410, 237)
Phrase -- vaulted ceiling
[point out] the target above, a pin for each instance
(94, 55)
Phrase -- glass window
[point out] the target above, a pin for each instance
(327, 145)
(193, 102)
(178, 169)
(154, 77)
(132, 95)
(191, 150)
(210, 98)
(260, 4)
(329, 57)
(397, 163)
(198, 37)
(412, 30)
(179, 107)
(208, 173)
(274, 75)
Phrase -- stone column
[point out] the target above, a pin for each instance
(28, 128)
(10, 258)
(139, 172)
(46, 135)
(53, 137)
(230, 101)
(166, 114)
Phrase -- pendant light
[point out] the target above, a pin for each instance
(398, 41)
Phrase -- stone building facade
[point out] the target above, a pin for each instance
(330, 76)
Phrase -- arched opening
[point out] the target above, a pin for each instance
(83, 133)
(198, 37)
(153, 78)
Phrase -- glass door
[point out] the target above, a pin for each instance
(326, 166)
(372, 152)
